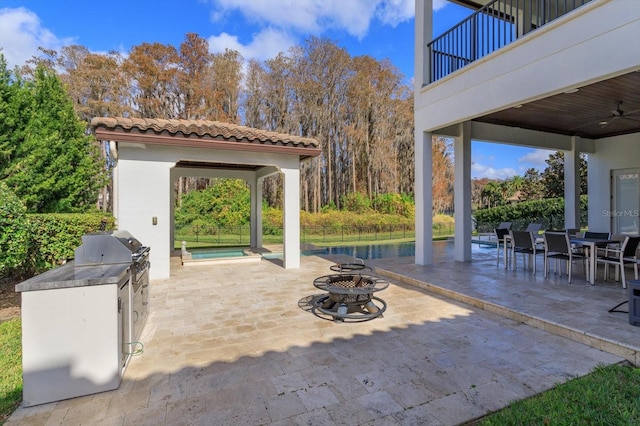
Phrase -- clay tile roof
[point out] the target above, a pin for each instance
(200, 129)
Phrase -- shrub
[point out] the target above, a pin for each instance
(55, 237)
(356, 202)
(393, 203)
(548, 212)
(14, 232)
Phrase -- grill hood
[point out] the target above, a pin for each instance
(107, 248)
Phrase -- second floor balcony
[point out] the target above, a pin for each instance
(490, 28)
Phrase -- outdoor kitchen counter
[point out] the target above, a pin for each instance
(68, 275)
(72, 328)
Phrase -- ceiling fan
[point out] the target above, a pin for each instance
(620, 114)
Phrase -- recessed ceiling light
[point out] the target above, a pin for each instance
(603, 123)
(570, 91)
(517, 106)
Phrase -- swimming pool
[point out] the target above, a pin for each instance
(216, 253)
(381, 251)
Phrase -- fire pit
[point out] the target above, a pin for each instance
(350, 296)
(357, 266)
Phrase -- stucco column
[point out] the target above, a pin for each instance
(145, 208)
(424, 198)
(572, 185)
(258, 213)
(462, 193)
(291, 213)
(423, 28)
(253, 207)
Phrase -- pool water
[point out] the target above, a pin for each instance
(381, 251)
(216, 253)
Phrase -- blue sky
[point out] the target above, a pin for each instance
(258, 29)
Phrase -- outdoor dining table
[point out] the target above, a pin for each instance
(592, 244)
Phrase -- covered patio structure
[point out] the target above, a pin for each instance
(152, 154)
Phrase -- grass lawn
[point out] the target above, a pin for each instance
(607, 396)
(10, 367)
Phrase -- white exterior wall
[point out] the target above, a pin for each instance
(573, 51)
(144, 179)
(76, 350)
(143, 193)
(620, 152)
(552, 59)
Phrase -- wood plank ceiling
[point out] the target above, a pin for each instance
(603, 109)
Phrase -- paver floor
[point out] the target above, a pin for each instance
(237, 345)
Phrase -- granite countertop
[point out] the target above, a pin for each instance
(68, 275)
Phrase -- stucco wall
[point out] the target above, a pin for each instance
(144, 186)
(566, 53)
(621, 152)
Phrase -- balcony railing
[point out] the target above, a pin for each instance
(497, 24)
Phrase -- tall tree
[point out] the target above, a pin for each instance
(95, 82)
(194, 64)
(533, 188)
(152, 71)
(553, 175)
(55, 166)
(442, 171)
(226, 79)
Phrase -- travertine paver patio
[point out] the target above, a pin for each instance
(235, 345)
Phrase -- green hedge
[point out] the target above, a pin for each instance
(549, 212)
(53, 239)
(14, 231)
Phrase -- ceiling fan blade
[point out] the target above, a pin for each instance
(637, 120)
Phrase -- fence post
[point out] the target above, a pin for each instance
(342, 229)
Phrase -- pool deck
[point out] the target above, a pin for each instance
(239, 345)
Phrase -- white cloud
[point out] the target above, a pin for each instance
(264, 45)
(484, 171)
(21, 33)
(315, 16)
(439, 4)
(536, 157)
(393, 12)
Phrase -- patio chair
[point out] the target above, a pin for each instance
(534, 227)
(573, 232)
(597, 235)
(501, 233)
(504, 225)
(625, 255)
(524, 242)
(601, 248)
(557, 246)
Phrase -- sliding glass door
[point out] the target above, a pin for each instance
(625, 201)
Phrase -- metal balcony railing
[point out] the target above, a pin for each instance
(495, 25)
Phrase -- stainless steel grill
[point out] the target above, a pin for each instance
(110, 247)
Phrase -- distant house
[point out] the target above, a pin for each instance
(552, 74)
(516, 198)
